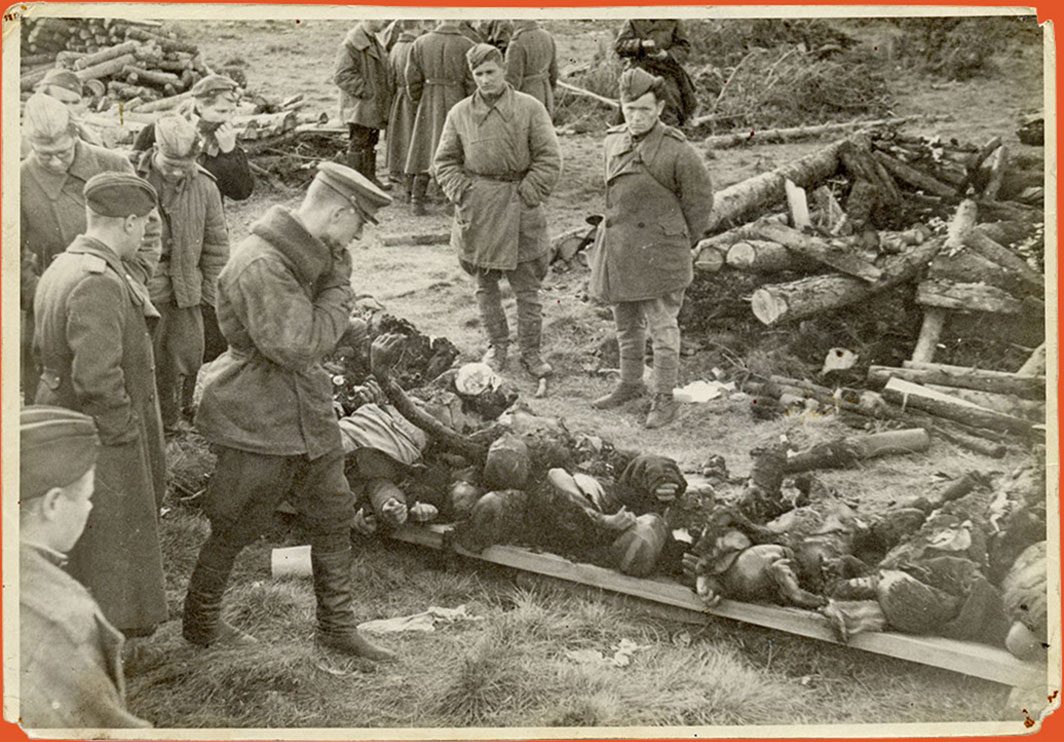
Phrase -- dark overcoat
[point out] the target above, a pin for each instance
(93, 344)
(658, 200)
(403, 111)
(364, 80)
(269, 393)
(437, 77)
(532, 63)
(681, 99)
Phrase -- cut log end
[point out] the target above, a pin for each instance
(767, 307)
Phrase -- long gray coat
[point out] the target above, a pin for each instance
(363, 78)
(437, 77)
(658, 200)
(92, 340)
(532, 63)
(499, 164)
(401, 116)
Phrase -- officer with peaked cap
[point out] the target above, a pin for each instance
(658, 200)
(283, 303)
(94, 347)
(70, 660)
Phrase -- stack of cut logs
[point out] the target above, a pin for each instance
(139, 63)
(982, 267)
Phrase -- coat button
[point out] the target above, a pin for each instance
(609, 222)
(641, 225)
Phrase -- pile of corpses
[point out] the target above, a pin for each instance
(427, 441)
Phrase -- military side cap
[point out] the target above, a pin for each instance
(212, 84)
(57, 446)
(355, 187)
(637, 82)
(119, 194)
(481, 53)
(61, 78)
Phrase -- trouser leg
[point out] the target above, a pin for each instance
(178, 345)
(662, 314)
(418, 194)
(489, 303)
(526, 281)
(631, 339)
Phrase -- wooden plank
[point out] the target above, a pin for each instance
(968, 658)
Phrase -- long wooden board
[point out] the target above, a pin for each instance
(968, 658)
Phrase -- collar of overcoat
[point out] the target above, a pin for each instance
(84, 165)
(523, 25)
(504, 105)
(360, 40)
(450, 27)
(629, 151)
(308, 256)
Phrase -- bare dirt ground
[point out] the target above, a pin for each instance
(508, 670)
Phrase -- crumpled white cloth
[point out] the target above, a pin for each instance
(425, 621)
(622, 655)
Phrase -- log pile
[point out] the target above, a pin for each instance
(137, 62)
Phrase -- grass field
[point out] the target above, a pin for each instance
(511, 667)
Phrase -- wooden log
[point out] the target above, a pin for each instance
(797, 205)
(796, 133)
(906, 394)
(431, 238)
(105, 69)
(67, 59)
(709, 259)
(103, 55)
(165, 104)
(1008, 404)
(997, 163)
(151, 77)
(1009, 211)
(614, 104)
(165, 43)
(967, 266)
(966, 297)
(847, 452)
(990, 663)
(36, 60)
(978, 241)
(1036, 364)
(998, 382)
(742, 232)
(930, 333)
(816, 249)
(812, 295)
(915, 178)
(29, 80)
(736, 202)
(857, 158)
(763, 256)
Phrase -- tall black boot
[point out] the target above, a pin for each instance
(202, 623)
(331, 559)
(418, 193)
(371, 170)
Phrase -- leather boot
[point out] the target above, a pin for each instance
(417, 196)
(663, 410)
(404, 194)
(330, 558)
(202, 623)
(534, 364)
(623, 392)
(371, 170)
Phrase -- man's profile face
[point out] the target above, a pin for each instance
(490, 77)
(55, 155)
(345, 227)
(642, 113)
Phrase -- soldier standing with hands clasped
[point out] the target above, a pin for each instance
(658, 200)
(498, 161)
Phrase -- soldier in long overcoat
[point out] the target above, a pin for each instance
(660, 46)
(403, 110)
(365, 83)
(52, 206)
(498, 161)
(96, 353)
(195, 247)
(437, 77)
(70, 660)
(532, 62)
(658, 201)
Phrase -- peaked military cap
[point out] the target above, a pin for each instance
(355, 187)
(637, 82)
(119, 194)
(57, 447)
(481, 53)
(212, 84)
